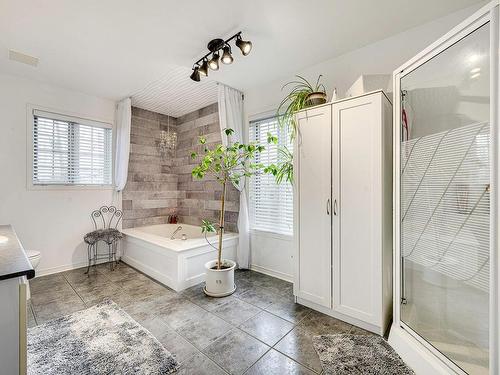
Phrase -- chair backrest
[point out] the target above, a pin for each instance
(106, 217)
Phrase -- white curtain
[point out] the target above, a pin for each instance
(123, 123)
(231, 116)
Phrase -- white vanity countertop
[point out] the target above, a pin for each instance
(13, 259)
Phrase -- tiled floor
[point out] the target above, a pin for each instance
(257, 330)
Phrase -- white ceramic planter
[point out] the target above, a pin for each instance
(219, 283)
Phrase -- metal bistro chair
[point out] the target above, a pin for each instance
(106, 220)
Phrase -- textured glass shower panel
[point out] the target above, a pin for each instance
(445, 207)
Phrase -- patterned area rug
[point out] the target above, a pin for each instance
(358, 354)
(102, 339)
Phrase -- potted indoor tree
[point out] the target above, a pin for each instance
(229, 165)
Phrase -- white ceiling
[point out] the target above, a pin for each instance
(117, 48)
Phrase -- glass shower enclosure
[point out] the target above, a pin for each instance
(445, 221)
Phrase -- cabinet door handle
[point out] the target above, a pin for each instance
(328, 206)
(335, 207)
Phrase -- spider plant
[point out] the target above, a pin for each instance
(283, 170)
(296, 100)
(302, 95)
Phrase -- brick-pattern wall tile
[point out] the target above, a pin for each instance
(158, 186)
(202, 196)
(150, 194)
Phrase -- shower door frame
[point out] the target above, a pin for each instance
(400, 331)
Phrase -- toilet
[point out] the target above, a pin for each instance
(34, 257)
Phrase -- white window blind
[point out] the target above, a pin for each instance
(271, 205)
(70, 151)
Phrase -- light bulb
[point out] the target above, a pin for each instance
(244, 45)
(214, 62)
(226, 55)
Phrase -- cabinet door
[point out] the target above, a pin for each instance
(313, 206)
(357, 206)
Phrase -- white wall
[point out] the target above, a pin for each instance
(273, 255)
(51, 221)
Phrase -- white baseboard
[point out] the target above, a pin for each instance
(273, 273)
(63, 268)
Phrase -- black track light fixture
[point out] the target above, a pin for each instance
(195, 76)
(213, 63)
(227, 58)
(203, 69)
(244, 45)
(216, 46)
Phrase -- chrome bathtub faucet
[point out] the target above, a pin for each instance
(175, 232)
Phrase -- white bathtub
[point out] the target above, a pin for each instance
(176, 263)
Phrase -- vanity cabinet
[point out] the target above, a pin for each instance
(343, 210)
(15, 270)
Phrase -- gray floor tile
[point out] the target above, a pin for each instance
(50, 282)
(202, 333)
(63, 293)
(95, 280)
(297, 344)
(145, 289)
(57, 309)
(77, 275)
(275, 363)
(258, 297)
(200, 364)
(236, 311)
(360, 331)
(181, 311)
(170, 339)
(196, 295)
(287, 309)
(236, 351)
(123, 274)
(321, 324)
(242, 286)
(96, 294)
(132, 281)
(163, 311)
(142, 310)
(267, 327)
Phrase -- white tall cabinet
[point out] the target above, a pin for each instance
(343, 210)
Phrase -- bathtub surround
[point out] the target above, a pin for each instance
(150, 193)
(231, 116)
(159, 186)
(177, 263)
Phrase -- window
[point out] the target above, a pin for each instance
(271, 205)
(70, 151)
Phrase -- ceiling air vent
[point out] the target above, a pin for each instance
(22, 58)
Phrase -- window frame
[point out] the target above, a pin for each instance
(71, 116)
(263, 232)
